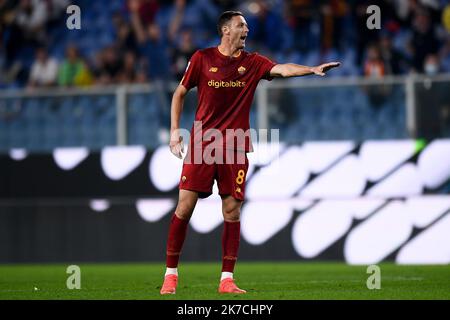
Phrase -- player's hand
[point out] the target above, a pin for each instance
(177, 146)
(320, 70)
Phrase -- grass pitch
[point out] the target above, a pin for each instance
(200, 280)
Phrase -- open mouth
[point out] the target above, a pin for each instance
(243, 38)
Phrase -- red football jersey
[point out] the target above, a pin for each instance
(226, 86)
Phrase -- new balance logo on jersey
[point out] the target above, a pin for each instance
(241, 70)
(213, 69)
(226, 84)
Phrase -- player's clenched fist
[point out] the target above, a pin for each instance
(176, 144)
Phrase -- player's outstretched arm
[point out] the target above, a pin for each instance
(287, 70)
(176, 140)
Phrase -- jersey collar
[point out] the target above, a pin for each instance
(222, 56)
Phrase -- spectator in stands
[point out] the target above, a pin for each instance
(44, 70)
(6, 6)
(130, 70)
(21, 24)
(301, 15)
(262, 20)
(405, 10)
(73, 70)
(31, 19)
(432, 65)
(424, 40)
(126, 39)
(182, 53)
(8, 10)
(145, 10)
(364, 36)
(176, 19)
(141, 76)
(84, 77)
(152, 44)
(374, 67)
(333, 14)
(56, 9)
(446, 18)
(100, 79)
(155, 49)
(445, 53)
(109, 66)
(395, 62)
(142, 70)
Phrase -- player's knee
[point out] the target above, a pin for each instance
(232, 214)
(184, 210)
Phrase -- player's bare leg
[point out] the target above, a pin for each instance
(177, 233)
(231, 210)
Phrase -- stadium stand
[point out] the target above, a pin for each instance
(159, 36)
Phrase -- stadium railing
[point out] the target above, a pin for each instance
(304, 108)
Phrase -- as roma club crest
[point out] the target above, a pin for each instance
(241, 70)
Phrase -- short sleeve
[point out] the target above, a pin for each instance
(192, 72)
(265, 65)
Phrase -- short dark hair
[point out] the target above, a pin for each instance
(224, 18)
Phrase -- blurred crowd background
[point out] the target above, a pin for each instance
(140, 41)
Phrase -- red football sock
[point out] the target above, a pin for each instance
(230, 245)
(177, 234)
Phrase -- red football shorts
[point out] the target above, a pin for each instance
(230, 175)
